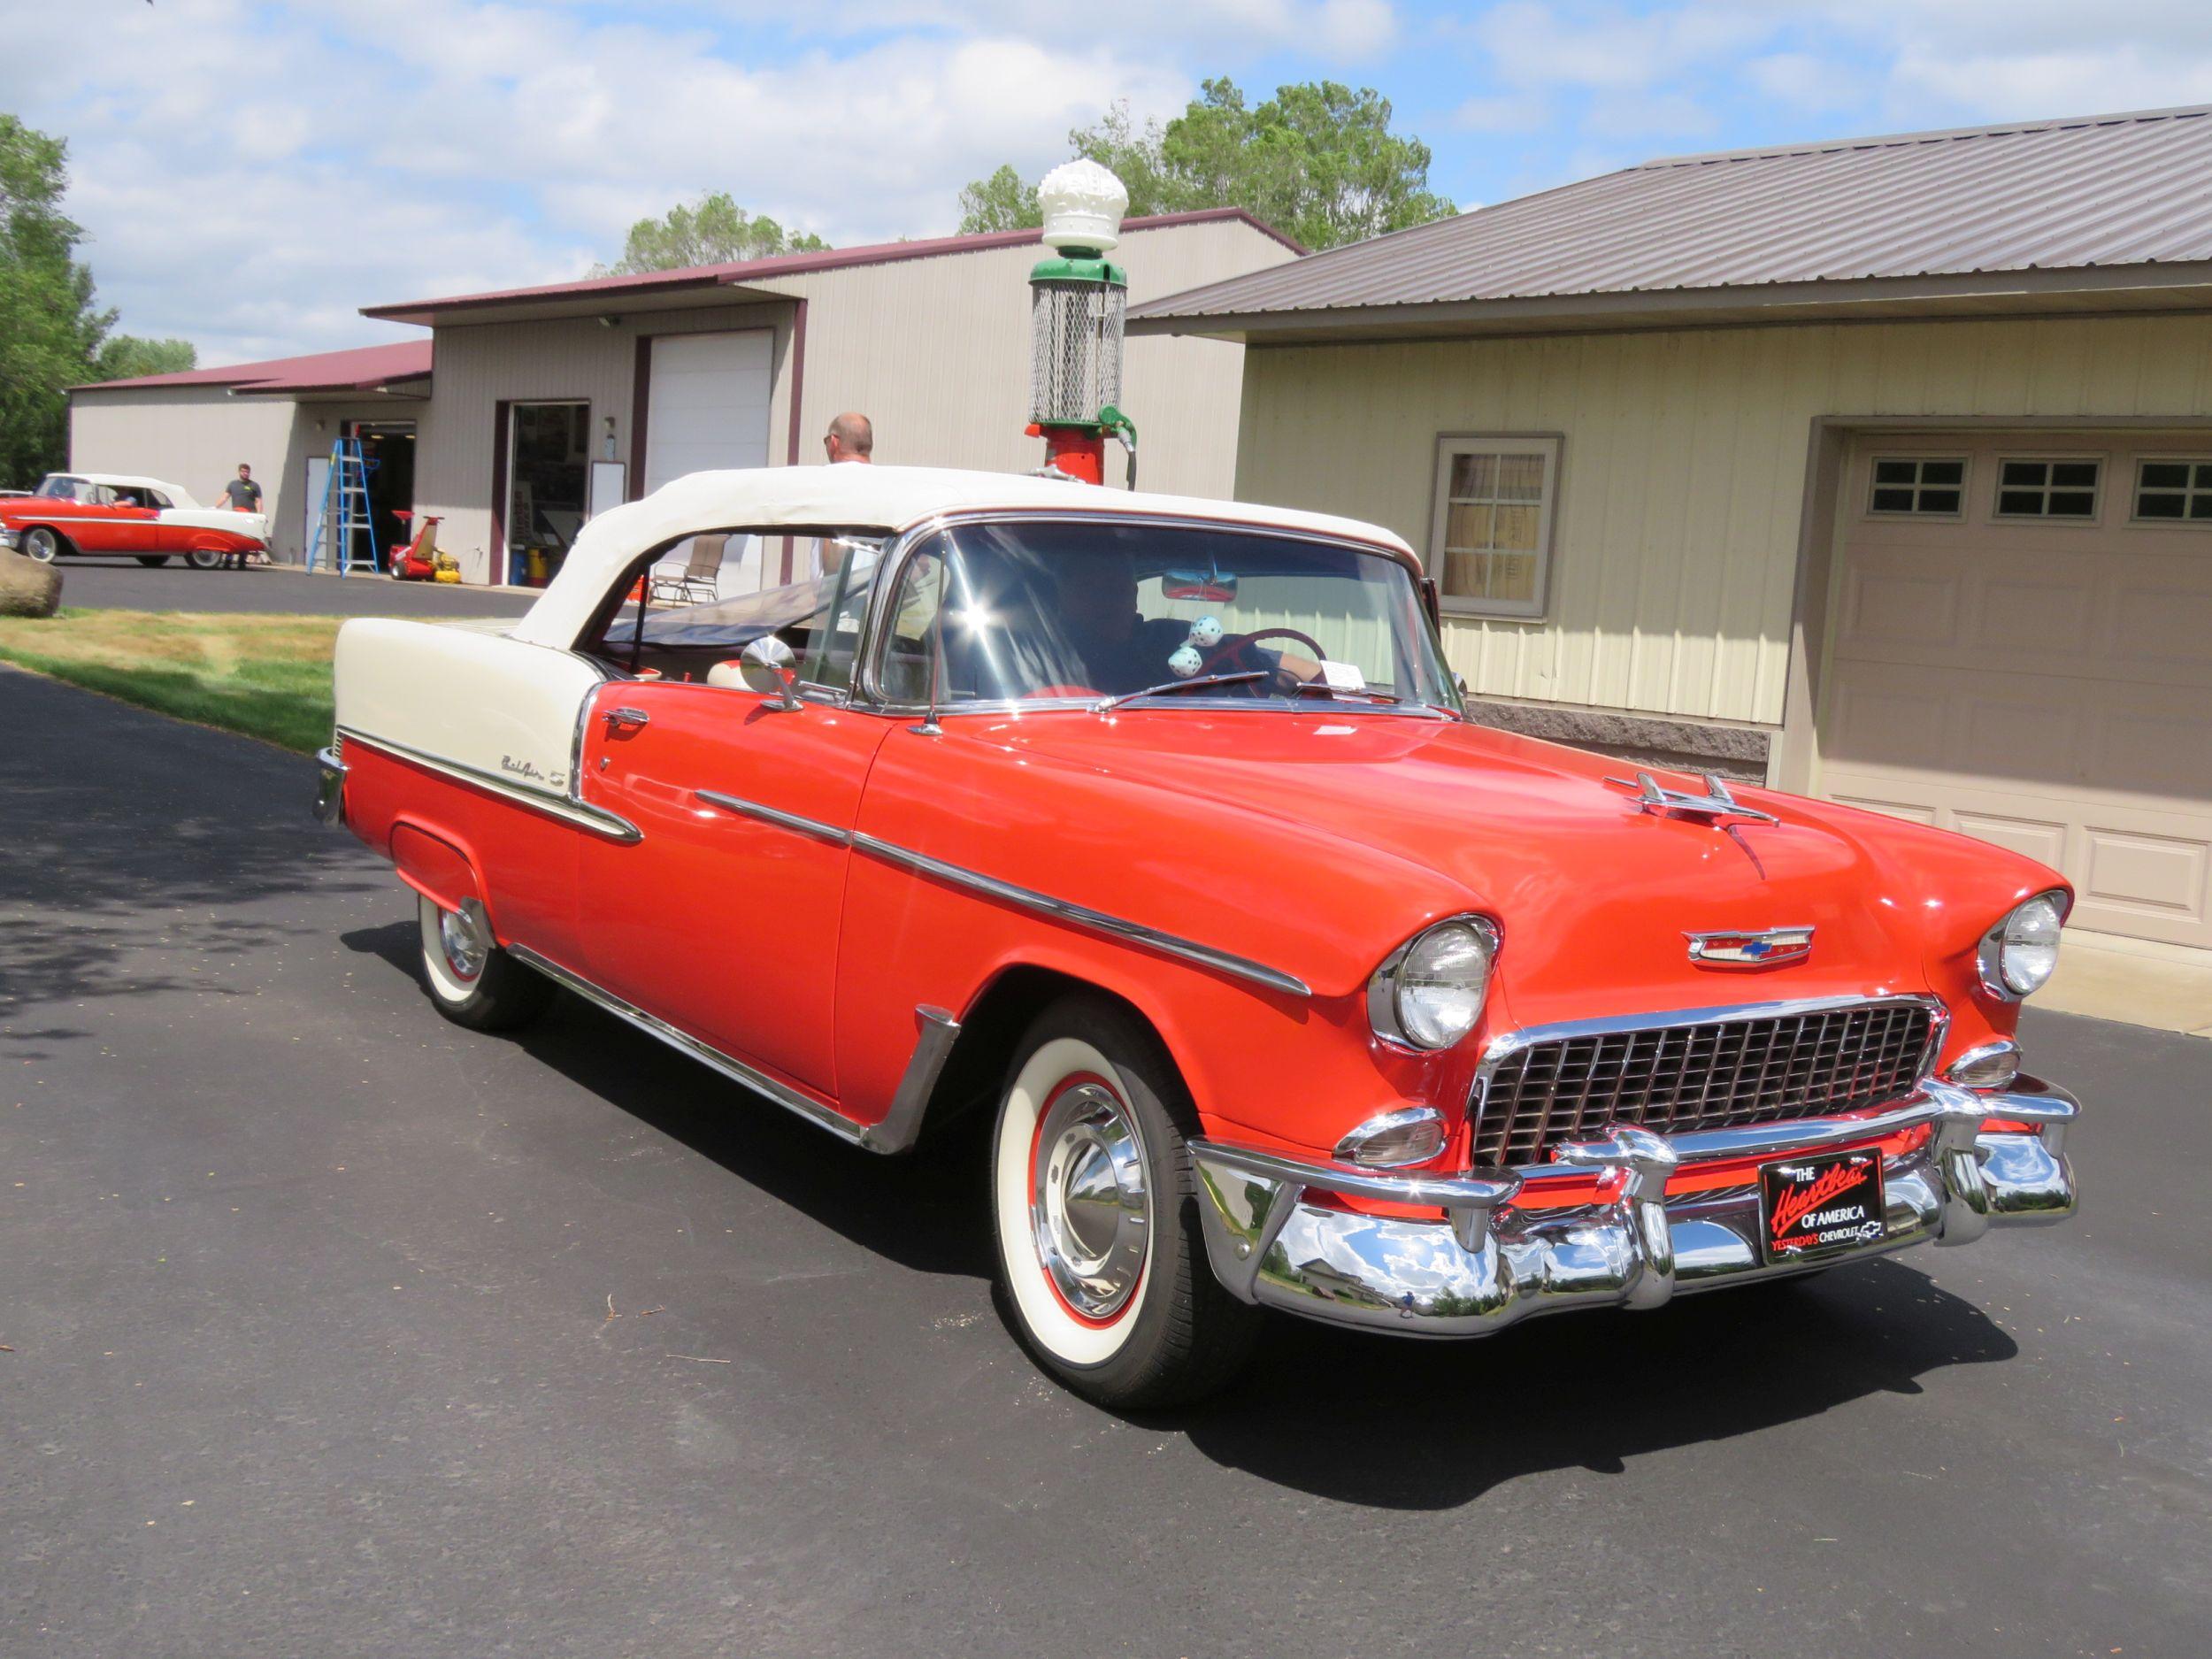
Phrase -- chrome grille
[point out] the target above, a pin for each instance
(1710, 1074)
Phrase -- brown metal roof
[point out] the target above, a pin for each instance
(1920, 211)
(361, 368)
(737, 272)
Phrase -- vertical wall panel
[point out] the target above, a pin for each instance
(1683, 473)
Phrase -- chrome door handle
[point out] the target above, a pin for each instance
(625, 717)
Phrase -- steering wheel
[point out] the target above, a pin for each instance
(1236, 646)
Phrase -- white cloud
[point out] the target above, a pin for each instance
(1608, 47)
(1503, 112)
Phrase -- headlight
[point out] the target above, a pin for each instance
(2017, 955)
(1428, 994)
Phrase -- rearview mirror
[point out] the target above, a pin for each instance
(771, 668)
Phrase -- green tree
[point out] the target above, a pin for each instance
(1317, 161)
(127, 357)
(715, 232)
(49, 329)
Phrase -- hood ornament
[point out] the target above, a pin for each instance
(1768, 948)
(1714, 805)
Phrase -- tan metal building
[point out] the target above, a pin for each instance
(553, 401)
(279, 418)
(1881, 469)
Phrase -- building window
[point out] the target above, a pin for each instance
(2047, 489)
(2173, 489)
(1925, 486)
(1490, 544)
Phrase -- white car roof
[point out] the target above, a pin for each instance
(133, 479)
(854, 498)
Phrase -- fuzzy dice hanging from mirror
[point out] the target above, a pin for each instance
(1077, 302)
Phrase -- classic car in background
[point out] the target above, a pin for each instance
(125, 516)
(1153, 828)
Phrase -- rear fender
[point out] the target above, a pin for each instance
(436, 868)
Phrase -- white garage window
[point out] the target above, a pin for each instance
(2048, 487)
(1918, 486)
(1490, 542)
(2169, 488)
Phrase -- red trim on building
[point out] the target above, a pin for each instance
(363, 368)
(798, 380)
(640, 406)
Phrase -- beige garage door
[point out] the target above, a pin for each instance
(2022, 651)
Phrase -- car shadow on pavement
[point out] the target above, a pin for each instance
(1589, 1390)
(907, 1209)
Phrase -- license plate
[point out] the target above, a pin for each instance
(1812, 1206)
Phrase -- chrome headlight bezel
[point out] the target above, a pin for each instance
(1989, 955)
(1388, 992)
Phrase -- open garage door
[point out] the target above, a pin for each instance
(706, 403)
(2022, 651)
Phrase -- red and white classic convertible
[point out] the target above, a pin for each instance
(122, 515)
(1154, 829)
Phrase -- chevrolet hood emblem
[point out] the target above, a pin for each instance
(1770, 947)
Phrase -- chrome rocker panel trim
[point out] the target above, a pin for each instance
(1486, 1264)
(330, 785)
(901, 1124)
(598, 820)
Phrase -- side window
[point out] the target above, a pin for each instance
(910, 629)
(1927, 487)
(2037, 488)
(848, 562)
(156, 499)
(1490, 539)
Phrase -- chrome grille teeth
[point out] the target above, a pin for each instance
(1716, 1074)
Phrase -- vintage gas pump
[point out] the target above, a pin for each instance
(1077, 301)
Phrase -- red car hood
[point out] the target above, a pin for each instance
(1594, 894)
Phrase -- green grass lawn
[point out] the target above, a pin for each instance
(265, 676)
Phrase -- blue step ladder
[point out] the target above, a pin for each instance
(345, 517)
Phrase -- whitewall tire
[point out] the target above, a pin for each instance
(1102, 1268)
(470, 979)
(42, 544)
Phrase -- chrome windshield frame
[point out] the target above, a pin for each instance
(869, 695)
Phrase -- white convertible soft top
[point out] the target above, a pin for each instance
(852, 497)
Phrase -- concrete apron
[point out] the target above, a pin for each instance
(2140, 984)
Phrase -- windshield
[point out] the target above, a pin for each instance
(61, 486)
(1011, 611)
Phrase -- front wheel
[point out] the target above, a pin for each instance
(472, 982)
(153, 561)
(1101, 1265)
(42, 544)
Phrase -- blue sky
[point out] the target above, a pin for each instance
(251, 172)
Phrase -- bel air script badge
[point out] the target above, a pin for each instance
(1770, 949)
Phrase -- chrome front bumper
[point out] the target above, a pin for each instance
(330, 785)
(1488, 1262)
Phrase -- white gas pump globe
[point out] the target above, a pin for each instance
(1082, 203)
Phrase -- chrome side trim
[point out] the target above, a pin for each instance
(330, 785)
(812, 827)
(598, 820)
(1081, 916)
(790, 1099)
(901, 1124)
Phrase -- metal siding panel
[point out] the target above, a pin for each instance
(1678, 523)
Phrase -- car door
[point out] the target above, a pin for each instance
(723, 917)
(120, 524)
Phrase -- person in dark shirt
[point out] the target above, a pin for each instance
(241, 494)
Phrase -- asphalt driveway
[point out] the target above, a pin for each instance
(333, 1329)
(121, 585)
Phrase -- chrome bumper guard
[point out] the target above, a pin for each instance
(1488, 1264)
(330, 785)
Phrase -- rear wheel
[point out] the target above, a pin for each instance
(472, 982)
(202, 558)
(42, 544)
(1102, 1269)
(153, 561)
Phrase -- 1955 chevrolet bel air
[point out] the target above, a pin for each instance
(1155, 829)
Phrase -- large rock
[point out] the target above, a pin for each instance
(28, 588)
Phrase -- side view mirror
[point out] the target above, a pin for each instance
(771, 668)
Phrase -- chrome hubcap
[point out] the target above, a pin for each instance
(1089, 1206)
(461, 938)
